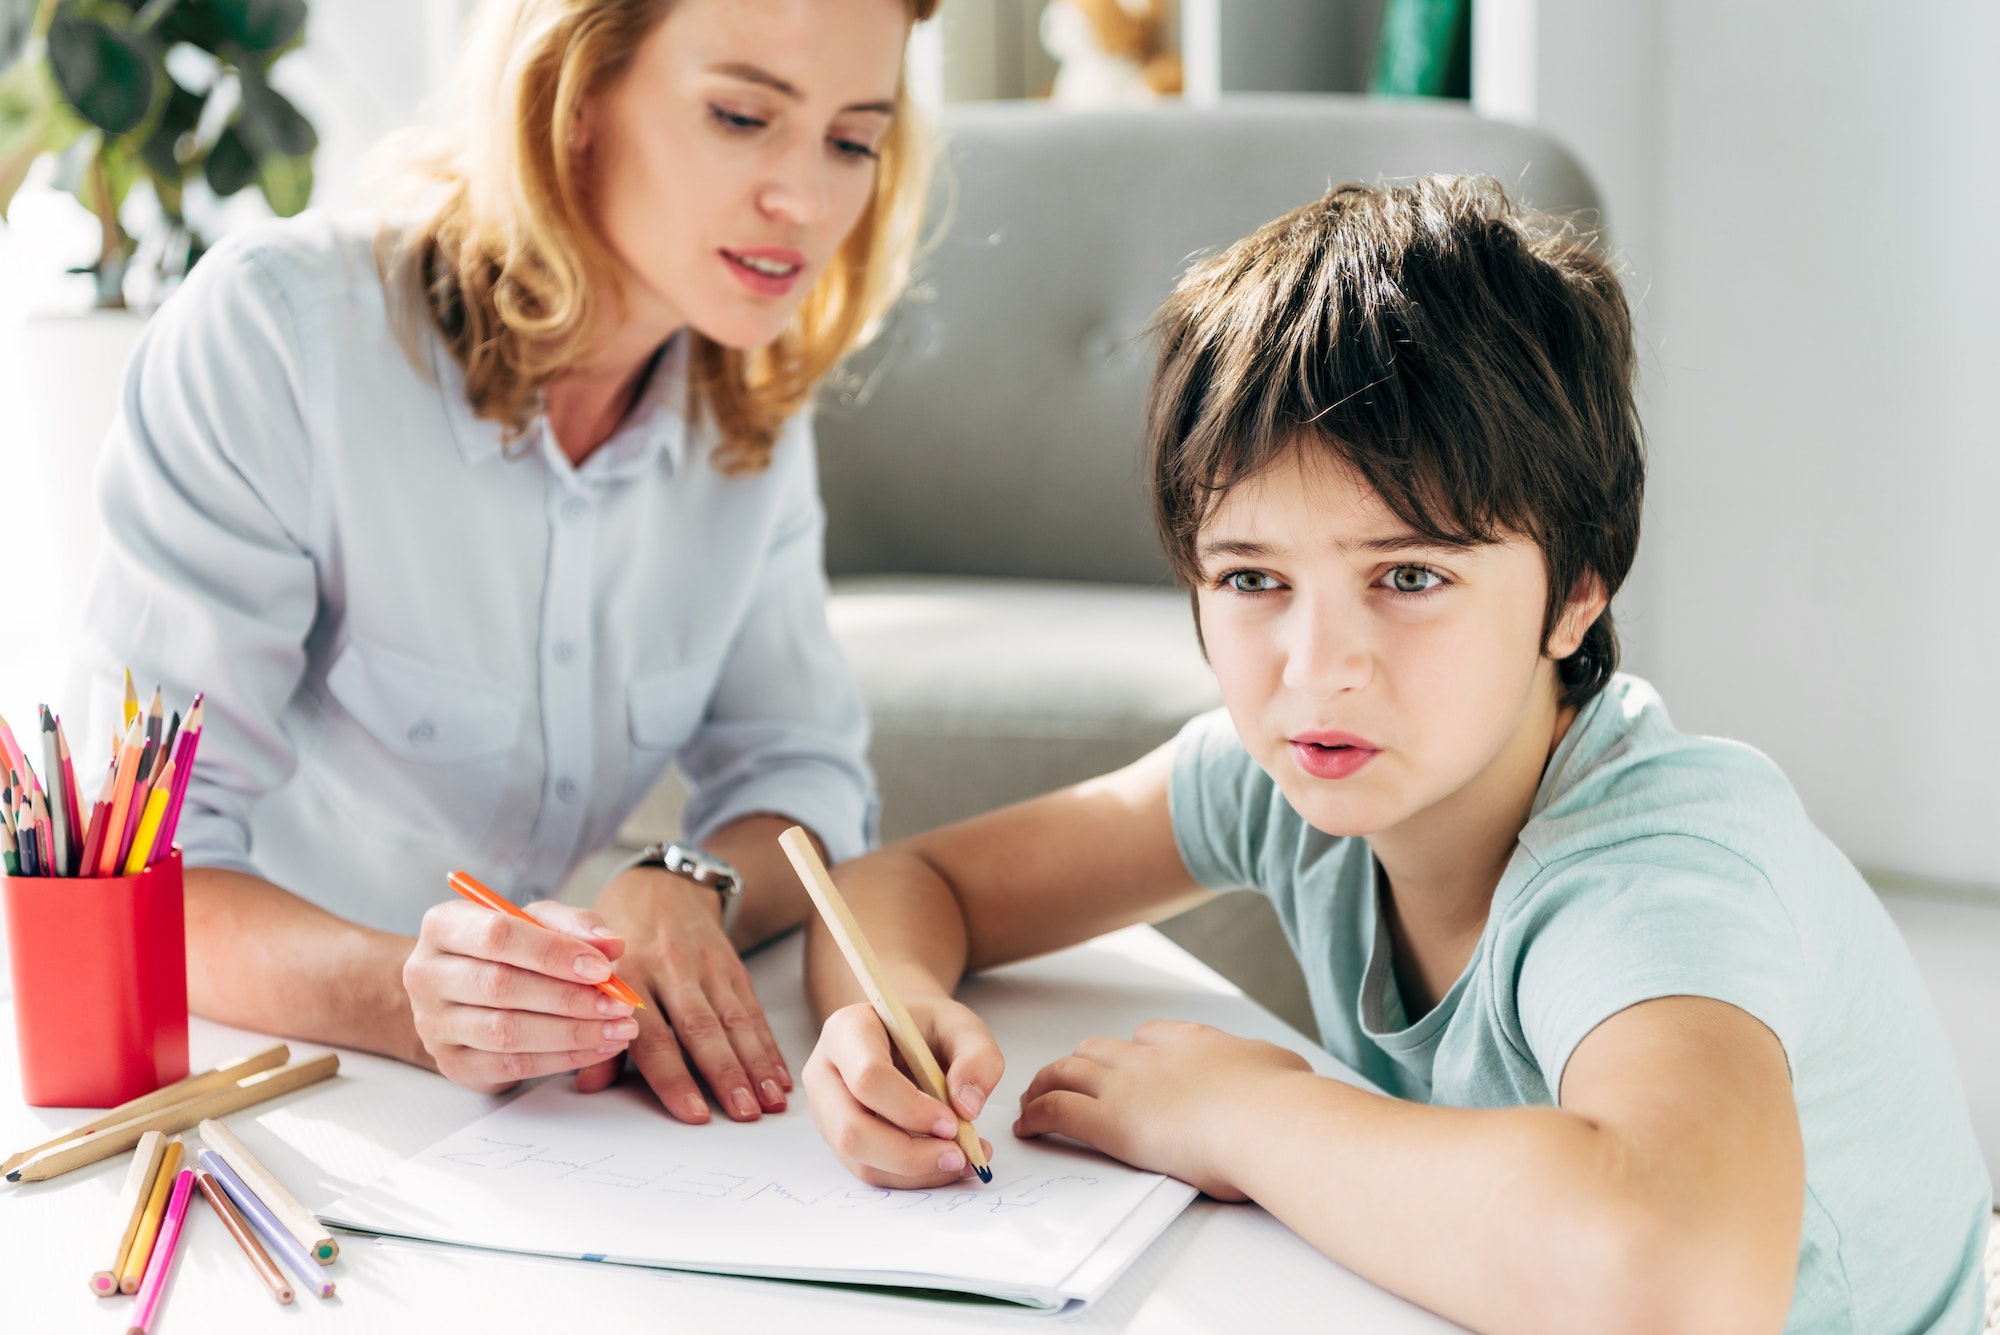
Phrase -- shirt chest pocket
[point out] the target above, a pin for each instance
(448, 736)
(662, 712)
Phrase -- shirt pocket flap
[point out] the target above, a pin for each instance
(422, 712)
(664, 709)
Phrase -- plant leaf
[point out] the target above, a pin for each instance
(230, 165)
(177, 119)
(261, 26)
(271, 123)
(287, 183)
(106, 74)
(196, 22)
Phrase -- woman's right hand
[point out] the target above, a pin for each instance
(886, 1130)
(498, 1001)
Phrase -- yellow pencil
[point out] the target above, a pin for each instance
(149, 823)
(860, 955)
(134, 1269)
(131, 699)
(132, 1201)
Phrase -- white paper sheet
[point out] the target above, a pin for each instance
(610, 1177)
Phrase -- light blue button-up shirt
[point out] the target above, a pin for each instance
(420, 653)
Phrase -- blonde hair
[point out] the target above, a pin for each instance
(505, 265)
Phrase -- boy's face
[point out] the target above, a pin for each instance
(1372, 675)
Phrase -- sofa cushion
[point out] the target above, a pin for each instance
(985, 691)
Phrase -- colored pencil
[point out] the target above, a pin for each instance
(10, 849)
(218, 1077)
(312, 1235)
(471, 888)
(11, 749)
(183, 772)
(47, 847)
(58, 803)
(163, 1254)
(131, 699)
(275, 1235)
(868, 972)
(31, 862)
(131, 1208)
(239, 1229)
(216, 1103)
(149, 825)
(121, 799)
(71, 796)
(133, 1272)
(135, 810)
(155, 721)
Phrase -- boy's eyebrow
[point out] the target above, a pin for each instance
(738, 69)
(1393, 542)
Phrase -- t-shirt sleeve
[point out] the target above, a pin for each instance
(1666, 916)
(1215, 789)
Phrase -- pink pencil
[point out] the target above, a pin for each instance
(155, 1282)
(163, 843)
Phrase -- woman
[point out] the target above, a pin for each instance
(469, 524)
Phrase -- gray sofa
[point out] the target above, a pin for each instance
(997, 583)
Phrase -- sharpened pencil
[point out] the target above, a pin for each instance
(274, 1233)
(298, 1220)
(239, 1229)
(121, 799)
(471, 887)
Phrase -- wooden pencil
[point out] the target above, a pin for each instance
(216, 1103)
(65, 852)
(868, 972)
(141, 1251)
(217, 1077)
(183, 771)
(163, 1254)
(298, 1220)
(276, 1234)
(149, 825)
(10, 850)
(70, 794)
(131, 699)
(127, 771)
(131, 1208)
(239, 1229)
(150, 745)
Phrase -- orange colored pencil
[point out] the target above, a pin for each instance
(469, 886)
(149, 1223)
(121, 797)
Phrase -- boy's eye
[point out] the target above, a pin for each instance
(1414, 579)
(1249, 581)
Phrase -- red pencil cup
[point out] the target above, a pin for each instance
(100, 984)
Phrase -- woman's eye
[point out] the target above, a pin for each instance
(1249, 581)
(1414, 579)
(854, 148)
(734, 120)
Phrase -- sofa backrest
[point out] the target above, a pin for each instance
(994, 427)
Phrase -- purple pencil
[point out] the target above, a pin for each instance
(155, 1282)
(183, 758)
(276, 1236)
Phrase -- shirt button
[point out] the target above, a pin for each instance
(422, 732)
(563, 652)
(566, 790)
(575, 509)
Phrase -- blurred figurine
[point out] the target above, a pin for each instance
(1111, 53)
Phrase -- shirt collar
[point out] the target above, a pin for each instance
(656, 425)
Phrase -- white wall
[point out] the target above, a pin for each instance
(1807, 195)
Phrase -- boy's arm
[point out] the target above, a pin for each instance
(1665, 1193)
(1027, 879)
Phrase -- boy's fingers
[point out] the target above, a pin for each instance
(467, 929)
(1059, 1112)
(973, 1063)
(1073, 1074)
(875, 1151)
(868, 1074)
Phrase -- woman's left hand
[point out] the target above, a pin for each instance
(1168, 1102)
(700, 1004)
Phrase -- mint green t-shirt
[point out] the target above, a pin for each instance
(1653, 864)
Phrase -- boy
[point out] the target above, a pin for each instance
(1654, 1057)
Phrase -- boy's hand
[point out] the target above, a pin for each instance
(1168, 1102)
(881, 1125)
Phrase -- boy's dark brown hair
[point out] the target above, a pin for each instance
(1472, 363)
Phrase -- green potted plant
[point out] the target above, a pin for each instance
(165, 92)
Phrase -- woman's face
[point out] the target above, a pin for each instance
(732, 157)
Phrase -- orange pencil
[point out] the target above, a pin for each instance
(149, 1223)
(121, 798)
(468, 885)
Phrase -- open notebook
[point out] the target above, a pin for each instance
(609, 1177)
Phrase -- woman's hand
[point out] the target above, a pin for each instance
(1170, 1101)
(700, 1004)
(497, 1000)
(882, 1127)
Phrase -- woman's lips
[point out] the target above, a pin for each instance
(1332, 755)
(769, 271)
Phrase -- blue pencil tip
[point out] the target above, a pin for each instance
(985, 1174)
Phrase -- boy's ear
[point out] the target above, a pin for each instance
(1587, 601)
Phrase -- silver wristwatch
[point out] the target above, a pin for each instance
(703, 869)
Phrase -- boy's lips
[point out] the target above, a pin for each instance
(1332, 755)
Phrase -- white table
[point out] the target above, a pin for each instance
(1219, 1267)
